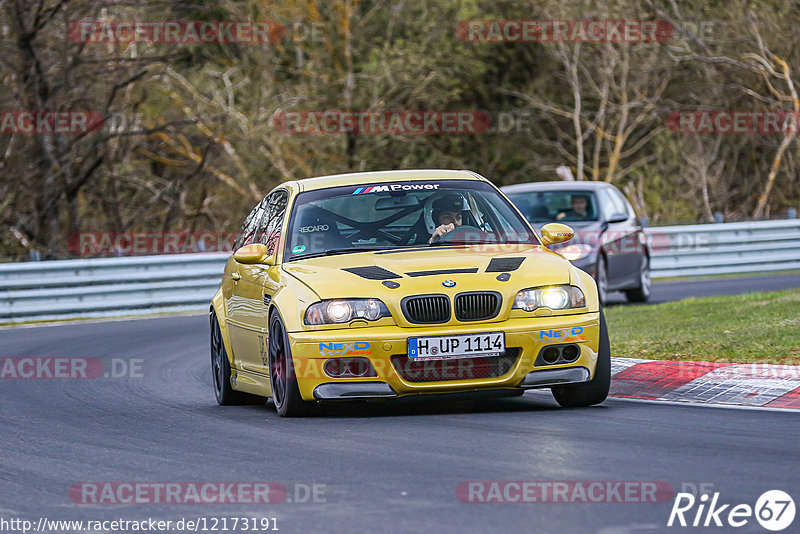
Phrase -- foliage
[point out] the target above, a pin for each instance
(194, 146)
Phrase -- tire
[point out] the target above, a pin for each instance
(641, 293)
(221, 371)
(282, 376)
(596, 390)
(601, 278)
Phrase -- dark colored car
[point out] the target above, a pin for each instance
(609, 244)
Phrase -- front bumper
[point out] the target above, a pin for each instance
(397, 376)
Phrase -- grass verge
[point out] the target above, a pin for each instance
(753, 327)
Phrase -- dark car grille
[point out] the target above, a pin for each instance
(477, 306)
(426, 309)
(456, 369)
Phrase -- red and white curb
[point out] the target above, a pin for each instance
(739, 384)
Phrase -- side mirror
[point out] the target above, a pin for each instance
(254, 253)
(618, 218)
(555, 233)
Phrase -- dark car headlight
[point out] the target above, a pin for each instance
(553, 297)
(345, 310)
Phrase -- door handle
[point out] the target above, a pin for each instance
(236, 277)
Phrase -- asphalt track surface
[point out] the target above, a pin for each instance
(681, 289)
(385, 468)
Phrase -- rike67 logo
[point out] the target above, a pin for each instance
(774, 510)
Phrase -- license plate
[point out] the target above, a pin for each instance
(460, 346)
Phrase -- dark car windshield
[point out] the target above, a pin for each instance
(556, 206)
(404, 214)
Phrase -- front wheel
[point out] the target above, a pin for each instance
(596, 390)
(221, 371)
(282, 377)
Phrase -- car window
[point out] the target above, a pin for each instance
(622, 201)
(248, 230)
(611, 203)
(270, 225)
(401, 215)
(561, 206)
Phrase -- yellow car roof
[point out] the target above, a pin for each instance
(356, 178)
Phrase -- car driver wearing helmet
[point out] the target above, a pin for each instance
(447, 214)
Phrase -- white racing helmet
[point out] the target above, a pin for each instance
(444, 201)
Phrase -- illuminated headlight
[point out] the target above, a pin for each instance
(339, 311)
(343, 311)
(555, 298)
(575, 252)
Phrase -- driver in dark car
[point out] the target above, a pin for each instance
(447, 214)
(579, 212)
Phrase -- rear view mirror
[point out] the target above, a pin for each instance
(618, 217)
(396, 202)
(555, 233)
(254, 253)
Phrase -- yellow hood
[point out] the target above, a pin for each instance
(422, 270)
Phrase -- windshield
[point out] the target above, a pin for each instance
(560, 206)
(407, 214)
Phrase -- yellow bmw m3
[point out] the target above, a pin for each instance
(384, 285)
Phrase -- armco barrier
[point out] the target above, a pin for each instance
(729, 248)
(108, 287)
(185, 282)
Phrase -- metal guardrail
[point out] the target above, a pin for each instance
(49, 290)
(728, 248)
(107, 287)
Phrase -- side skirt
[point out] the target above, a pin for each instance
(253, 383)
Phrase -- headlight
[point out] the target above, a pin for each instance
(575, 252)
(339, 311)
(343, 311)
(555, 298)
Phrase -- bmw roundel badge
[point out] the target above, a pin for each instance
(449, 283)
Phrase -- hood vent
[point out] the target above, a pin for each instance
(434, 272)
(372, 272)
(501, 265)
